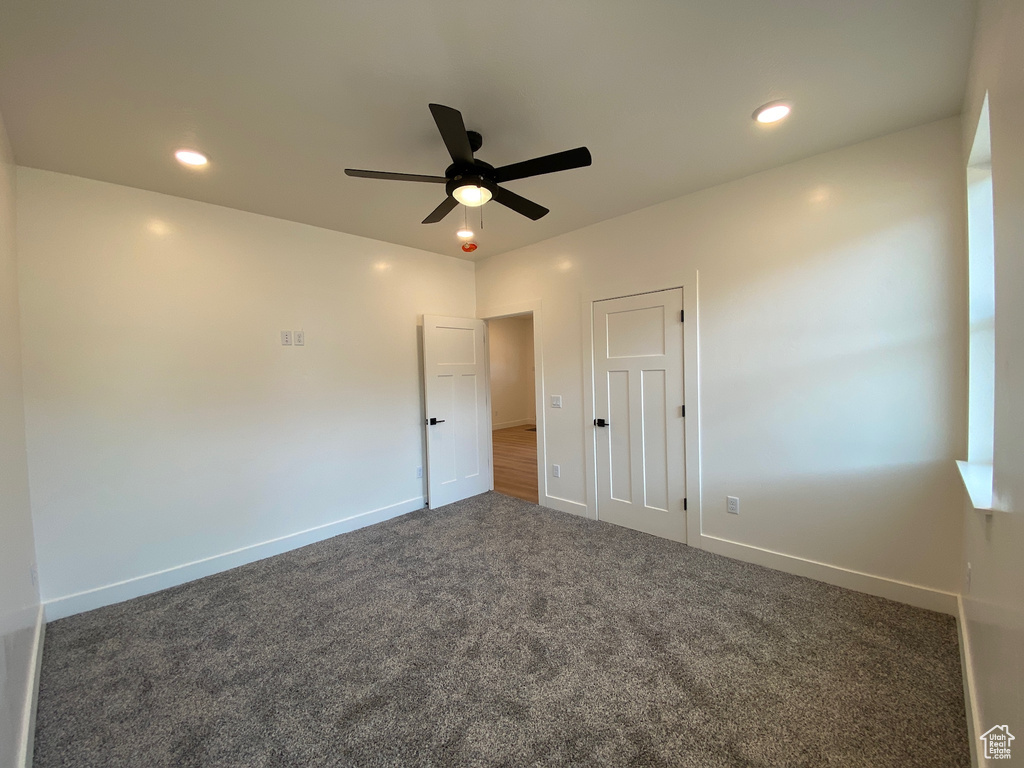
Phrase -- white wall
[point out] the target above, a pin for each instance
(510, 342)
(166, 423)
(832, 351)
(19, 598)
(994, 545)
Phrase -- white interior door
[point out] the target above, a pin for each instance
(638, 395)
(458, 415)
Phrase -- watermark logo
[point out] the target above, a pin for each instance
(997, 742)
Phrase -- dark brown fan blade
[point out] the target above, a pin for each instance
(560, 161)
(453, 131)
(441, 211)
(394, 176)
(519, 204)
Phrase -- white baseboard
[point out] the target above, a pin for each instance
(565, 505)
(519, 423)
(900, 591)
(967, 666)
(68, 605)
(28, 718)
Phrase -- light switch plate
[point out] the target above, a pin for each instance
(556, 401)
(286, 338)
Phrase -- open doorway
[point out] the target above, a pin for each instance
(513, 405)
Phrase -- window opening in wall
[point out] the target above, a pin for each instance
(981, 260)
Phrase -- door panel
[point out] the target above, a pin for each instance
(441, 467)
(655, 443)
(619, 455)
(455, 346)
(636, 332)
(455, 394)
(468, 408)
(638, 377)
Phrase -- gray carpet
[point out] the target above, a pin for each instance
(493, 632)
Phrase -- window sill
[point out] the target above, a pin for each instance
(978, 481)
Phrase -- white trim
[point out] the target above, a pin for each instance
(970, 695)
(517, 423)
(536, 308)
(28, 717)
(688, 282)
(589, 399)
(490, 408)
(692, 397)
(880, 586)
(566, 505)
(68, 605)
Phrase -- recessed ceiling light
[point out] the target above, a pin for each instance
(191, 157)
(465, 233)
(772, 112)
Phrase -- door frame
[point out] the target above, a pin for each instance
(534, 307)
(688, 282)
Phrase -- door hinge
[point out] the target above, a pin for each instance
(682, 411)
(684, 503)
(681, 319)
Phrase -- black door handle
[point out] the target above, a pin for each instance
(601, 423)
(432, 422)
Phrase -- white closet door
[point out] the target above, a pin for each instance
(638, 398)
(458, 417)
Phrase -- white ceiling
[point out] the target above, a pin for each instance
(283, 96)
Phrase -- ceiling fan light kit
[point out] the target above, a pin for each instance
(473, 182)
(471, 191)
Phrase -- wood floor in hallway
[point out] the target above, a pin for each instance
(515, 462)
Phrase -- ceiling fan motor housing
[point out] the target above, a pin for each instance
(464, 179)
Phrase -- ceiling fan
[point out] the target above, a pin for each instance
(473, 182)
